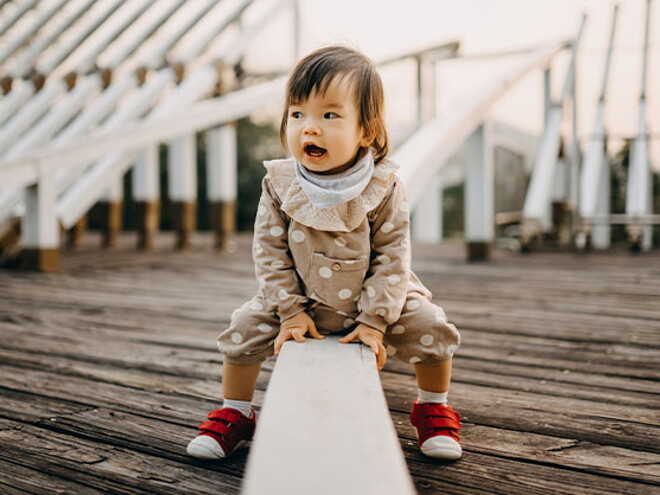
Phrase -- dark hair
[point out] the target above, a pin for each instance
(316, 71)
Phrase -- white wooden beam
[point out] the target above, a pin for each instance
(136, 136)
(342, 440)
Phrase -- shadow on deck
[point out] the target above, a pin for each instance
(107, 367)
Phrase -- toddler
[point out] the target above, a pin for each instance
(332, 254)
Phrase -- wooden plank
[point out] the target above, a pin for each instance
(324, 427)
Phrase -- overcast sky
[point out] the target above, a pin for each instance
(382, 28)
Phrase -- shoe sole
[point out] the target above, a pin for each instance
(208, 454)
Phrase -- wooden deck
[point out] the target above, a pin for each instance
(107, 367)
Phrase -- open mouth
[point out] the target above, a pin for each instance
(314, 151)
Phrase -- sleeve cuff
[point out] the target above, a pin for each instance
(292, 310)
(374, 321)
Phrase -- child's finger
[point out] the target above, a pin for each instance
(314, 332)
(298, 334)
(349, 338)
(381, 357)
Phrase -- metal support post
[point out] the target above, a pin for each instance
(479, 194)
(146, 194)
(182, 172)
(427, 218)
(40, 231)
(221, 159)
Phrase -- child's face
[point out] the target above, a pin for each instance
(324, 132)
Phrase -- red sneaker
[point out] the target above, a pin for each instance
(226, 430)
(437, 430)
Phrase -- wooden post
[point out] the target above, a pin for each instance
(182, 171)
(427, 218)
(40, 230)
(479, 194)
(146, 193)
(111, 213)
(74, 234)
(344, 441)
(221, 179)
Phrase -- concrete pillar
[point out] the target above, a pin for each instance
(40, 230)
(222, 187)
(182, 171)
(601, 232)
(479, 194)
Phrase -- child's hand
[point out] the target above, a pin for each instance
(295, 328)
(370, 337)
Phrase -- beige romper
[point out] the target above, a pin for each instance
(345, 264)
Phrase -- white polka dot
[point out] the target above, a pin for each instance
(348, 322)
(412, 305)
(340, 241)
(344, 294)
(405, 243)
(371, 292)
(451, 349)
(277, 264)
(384, 259)
(343, 313)
(298, 236)
(381, 312)
(261, 210)
(426, 339)
(276, 231)
(394, 279)
(356, 298)
(440, 316)
(236, 338)
(399, 329)
(282, 294)
(325, 272)
(258, 249)
(264, 327)
(414, 360)
(391, 350)
(387, 227)
(256, 305)
(404, 207)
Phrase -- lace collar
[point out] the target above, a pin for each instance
(344, 217)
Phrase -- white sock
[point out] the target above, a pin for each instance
(426, 397)
(244, 406)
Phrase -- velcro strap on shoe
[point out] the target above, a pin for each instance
(215, 427)
(226, 414)
(436, 422)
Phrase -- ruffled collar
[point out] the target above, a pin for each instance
(344, 217)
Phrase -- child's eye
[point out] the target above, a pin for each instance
(296, 115)
(331, 115)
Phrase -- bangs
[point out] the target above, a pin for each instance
(316, 78)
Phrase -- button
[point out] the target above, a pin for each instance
(336, 267)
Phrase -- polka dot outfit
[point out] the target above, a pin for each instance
(342, 274)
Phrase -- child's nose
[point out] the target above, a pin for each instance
(312, 129)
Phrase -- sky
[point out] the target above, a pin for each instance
(385, 28)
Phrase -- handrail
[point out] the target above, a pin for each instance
(25, 170)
